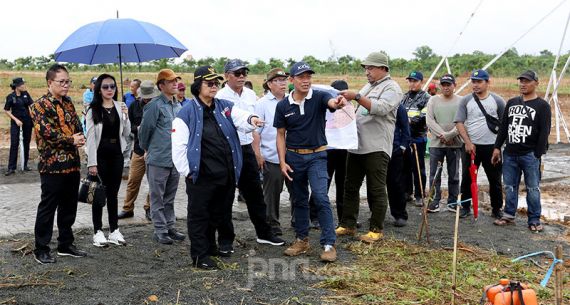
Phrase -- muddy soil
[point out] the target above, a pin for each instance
(130, 274)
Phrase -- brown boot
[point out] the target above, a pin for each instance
(329, 254)
(300, 246)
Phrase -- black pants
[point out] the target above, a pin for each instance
(250, 186)
(210, 210)
(395, 184)
(15, 141)
(494, 173)
(59, 192)
(110, 169)
(411, 177)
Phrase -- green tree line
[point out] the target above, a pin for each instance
(425, 60)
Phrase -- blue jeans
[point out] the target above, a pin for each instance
(311, 169)
(513, 166)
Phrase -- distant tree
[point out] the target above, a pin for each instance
(423, 53)
(276, 63)
(546, 53)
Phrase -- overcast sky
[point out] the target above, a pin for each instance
(262, 29)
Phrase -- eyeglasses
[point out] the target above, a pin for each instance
(240, 73)
(108, 87)
(279, 80)
(211, 84)
(64, 82)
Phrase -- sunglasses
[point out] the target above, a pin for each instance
(211, 84)
(240, 73)
(108, 87)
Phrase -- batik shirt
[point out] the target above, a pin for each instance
(55, 122)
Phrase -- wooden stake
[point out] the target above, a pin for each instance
(558, 276)
(455, 241)
(424, 206)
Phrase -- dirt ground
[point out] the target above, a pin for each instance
(131, 274)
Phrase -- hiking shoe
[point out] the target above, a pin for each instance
(99, 239)
(298, 247)
(497, 214)
(329, 254)
(205, 263)
(44, 258)
(418, 202)
(116, 238)
(271, 240)
(72, 251)
(371, 237)
(433, 207)
(343, 231)
(175, 235)
(400, 222)
(464, 212)
(226, 250)
(452, 207)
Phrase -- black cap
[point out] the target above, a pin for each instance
(447, 78)
(206, 73)
(234, 65)
(93, 79)
(530, 75)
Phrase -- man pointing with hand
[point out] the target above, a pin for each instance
(301, 146)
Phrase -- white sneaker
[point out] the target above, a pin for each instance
(116, 238)
(99, 239)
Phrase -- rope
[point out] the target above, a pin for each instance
(452, 46)
(518, 39)
(550, 269)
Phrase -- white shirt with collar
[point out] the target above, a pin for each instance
(301, 103)
(265, 109)
(246, 101)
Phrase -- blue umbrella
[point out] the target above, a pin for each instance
(117, 41)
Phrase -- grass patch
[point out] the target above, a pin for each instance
(397, 272)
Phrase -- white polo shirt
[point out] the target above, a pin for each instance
(246, 101)
(265, 109)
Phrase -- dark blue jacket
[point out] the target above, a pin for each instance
(402, 136)
(192, 114)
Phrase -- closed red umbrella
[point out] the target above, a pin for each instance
(474, 187)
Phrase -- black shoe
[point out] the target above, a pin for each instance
(9, 172)
(400, 222)
(27, 169)
(498, 214)
(71, 251)
(147, 215)
(464, 212)
(44, 258)
(125, 214)
(433, 207)
(226, 250)
(277, 231)
(205, 263)
(240, 198)
(163, 238)
(175, 235)
(315, 224)
(271, 240)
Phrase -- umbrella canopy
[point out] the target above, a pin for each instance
(118, 40)
(474, 187)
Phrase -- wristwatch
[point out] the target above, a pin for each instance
(357, 97)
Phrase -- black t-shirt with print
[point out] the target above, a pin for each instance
(525, 127)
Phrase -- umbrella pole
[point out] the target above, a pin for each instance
(121, 72)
